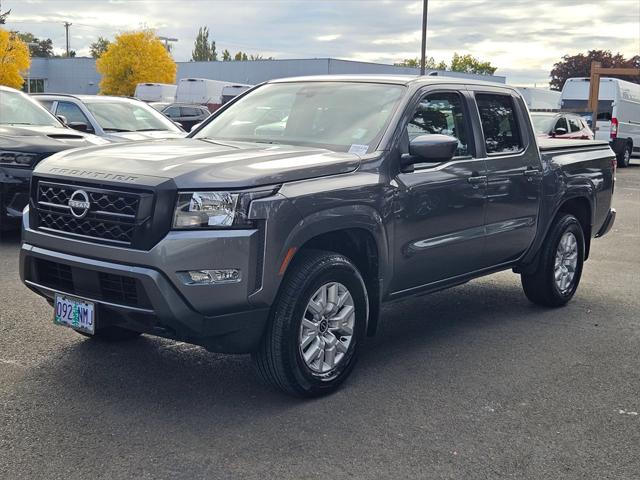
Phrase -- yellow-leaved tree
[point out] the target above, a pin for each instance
(14, 59)
(134, 57)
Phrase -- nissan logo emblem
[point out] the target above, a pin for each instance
(79, 203)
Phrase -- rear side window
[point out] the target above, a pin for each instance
(441, 113)
(499, 125)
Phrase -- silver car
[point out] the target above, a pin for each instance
(117, 119)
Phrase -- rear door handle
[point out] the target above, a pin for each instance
(531, 172)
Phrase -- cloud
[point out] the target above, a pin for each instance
(521, 37)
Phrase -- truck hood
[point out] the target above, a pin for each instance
(198, 163)
(44, 139)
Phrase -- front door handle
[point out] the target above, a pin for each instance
(531, 172)
(477, 180)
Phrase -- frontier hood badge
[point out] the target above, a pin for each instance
(79, 203)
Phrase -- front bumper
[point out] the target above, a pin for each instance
(608, 223)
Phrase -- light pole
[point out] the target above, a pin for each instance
(166, 41)
(66, 27)
(425, 8)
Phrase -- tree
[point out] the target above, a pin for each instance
(470, 64)
(580, 66)
(37, 47)
(240, 56)
(430, 63)
(204, 51)
(134, 57)
(226, 56)
(99, 47)
(14, 59)
(3, 16)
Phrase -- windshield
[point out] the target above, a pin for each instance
(18, 109)
(542, 123)
(126, 116)
(336, 115)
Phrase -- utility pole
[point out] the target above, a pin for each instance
(66, 27)
(423, 57)
(166, 41)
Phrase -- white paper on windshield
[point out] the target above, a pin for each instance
(359, 149)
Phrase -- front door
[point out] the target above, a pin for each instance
(439, 207)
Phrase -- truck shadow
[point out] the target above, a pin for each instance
(149, 374)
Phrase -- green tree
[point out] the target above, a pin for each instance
(580, 66)
(37, 47)
(99, 47)
(226, 56)
(204, 51)
(470, 64)
(240, 56)
(430, 63)
(3, 16)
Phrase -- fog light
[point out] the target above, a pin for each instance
(206, 277)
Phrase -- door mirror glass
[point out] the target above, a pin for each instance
(80, 126)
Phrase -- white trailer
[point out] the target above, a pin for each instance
(618, 112)
(156, 92)
(203, 91)
(540, 99)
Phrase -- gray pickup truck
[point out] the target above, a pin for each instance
(280, 226)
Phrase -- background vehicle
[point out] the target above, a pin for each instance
(540, 99)
(186, 114)
(618, 112)
(561, 125)
(156, 92)
(117, 119)
(28, 134)
(212, 93)
(284, 242)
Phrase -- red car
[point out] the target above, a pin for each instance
(561, 125)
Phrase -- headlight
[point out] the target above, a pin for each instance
(19, 159)
(215, 209)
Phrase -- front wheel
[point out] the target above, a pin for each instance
(317, 325)
(559, 270)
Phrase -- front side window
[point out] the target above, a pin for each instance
(341, 116)
(71, 112)
(499, 125)
(441, 113)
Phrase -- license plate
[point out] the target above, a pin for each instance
(75, 313)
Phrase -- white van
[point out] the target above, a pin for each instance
(156, 92)
(212, 93)
(540, 99)
(618, 112)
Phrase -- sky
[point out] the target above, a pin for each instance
(522, 38)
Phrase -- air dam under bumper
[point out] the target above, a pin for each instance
(140, 299)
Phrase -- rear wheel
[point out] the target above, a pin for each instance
(556, 280)
(624, 157)
(317, 324)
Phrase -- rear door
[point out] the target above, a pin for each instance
(514, 175)
(439, 207)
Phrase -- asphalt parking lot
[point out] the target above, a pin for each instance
(474, 382)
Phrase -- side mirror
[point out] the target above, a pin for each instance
(560, 131)
(62, 118)
(178, 124)
(80, 126)
(430, 148)
(195, 127)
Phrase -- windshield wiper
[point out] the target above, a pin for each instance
(118, 130)
(151, 130)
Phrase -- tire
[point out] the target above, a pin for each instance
(624, 157)
(541, 287)
(112, 334)
(286, 358)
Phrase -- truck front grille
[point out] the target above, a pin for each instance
(108, 287)
(112, 216)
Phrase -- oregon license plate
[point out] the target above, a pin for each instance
(75, 313)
